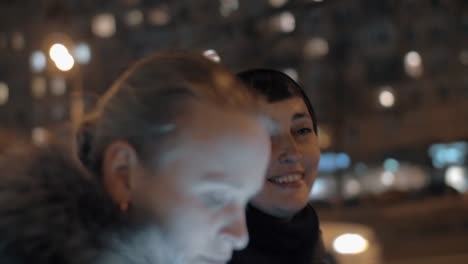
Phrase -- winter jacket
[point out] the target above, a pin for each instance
(279, 241)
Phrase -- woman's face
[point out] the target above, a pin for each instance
(294, 160)
(203, 181)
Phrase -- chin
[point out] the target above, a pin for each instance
(294, 204)
(285, 209)
(294, 208)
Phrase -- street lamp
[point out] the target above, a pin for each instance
(64, 61)
(61, 57)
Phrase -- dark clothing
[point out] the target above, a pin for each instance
(52, 211)
(279, 241)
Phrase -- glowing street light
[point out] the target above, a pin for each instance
(413, 64)
(61, 57)
(387, 97)
(350, 244)
(212, 55)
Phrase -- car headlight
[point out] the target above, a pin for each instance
(350, 244)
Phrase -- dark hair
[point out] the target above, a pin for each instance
(141, 107)
(276, 86)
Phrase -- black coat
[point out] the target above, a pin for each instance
(279, 241)
(52, 211)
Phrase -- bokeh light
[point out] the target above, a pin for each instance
(350, 244)
(386, 97)
(82, 53)
(277, 3)
(212, 55)
(38, 61)
(103, 25)
(413, 64)
(159, 16)
(61, 57)
(4, 93)
(58, 86)
(38, 87)
(316, 47)
(134, 18)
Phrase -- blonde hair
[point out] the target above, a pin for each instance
(142, 104)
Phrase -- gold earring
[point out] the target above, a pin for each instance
(124, 206)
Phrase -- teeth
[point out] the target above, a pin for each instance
(290, 178)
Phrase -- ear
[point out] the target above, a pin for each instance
(119, 166)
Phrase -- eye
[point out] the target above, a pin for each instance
(216, 199)
(303, 131)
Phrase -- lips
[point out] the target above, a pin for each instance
(288, 179)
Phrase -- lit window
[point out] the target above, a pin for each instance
(287, 22)
(212, 55)
(37, 61)
(17, 41)
(39, 135)
(4, 93)
(58, 86)
(464, 57)
(103, 25)
(284, 22)
(278, 3)
(386, 97)
(82, 53)
(159, 16)
(323, 137)
(134, 18)
(228, 6)
(316, 47)
(413, 64)
(38, 87)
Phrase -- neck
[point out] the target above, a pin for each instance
(282, 214)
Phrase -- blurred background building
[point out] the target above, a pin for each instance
(388, 79)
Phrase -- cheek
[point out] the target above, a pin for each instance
(190, 226)
(265, 197)
(311, 152)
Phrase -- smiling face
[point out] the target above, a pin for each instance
(294, 160)
(203, 181)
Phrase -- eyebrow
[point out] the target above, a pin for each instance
(297, 116)
(220, 179)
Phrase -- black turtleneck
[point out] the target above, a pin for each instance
(279, 241)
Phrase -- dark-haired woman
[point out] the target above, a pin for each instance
(283, 227)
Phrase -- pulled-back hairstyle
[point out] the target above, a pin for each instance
(276, 86)
(142, 105)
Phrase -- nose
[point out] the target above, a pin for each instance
(288, 152)
(235, 234)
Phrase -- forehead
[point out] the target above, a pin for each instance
(217, 142)
(286, 109)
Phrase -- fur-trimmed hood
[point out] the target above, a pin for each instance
(53, 211)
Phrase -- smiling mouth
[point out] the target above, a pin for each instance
(290, 178)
